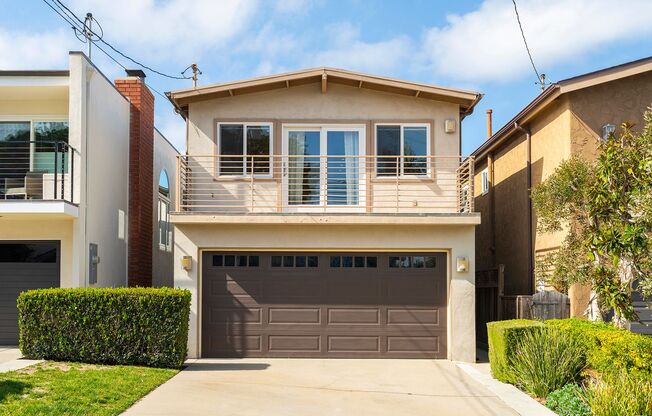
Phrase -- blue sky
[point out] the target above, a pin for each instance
(467, 44)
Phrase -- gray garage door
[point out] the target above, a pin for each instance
(23, 266)
(366, 305)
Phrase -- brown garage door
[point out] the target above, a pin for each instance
(324, 305)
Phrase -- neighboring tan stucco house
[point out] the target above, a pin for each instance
(74, 148)
(354, 237)
(568, 119)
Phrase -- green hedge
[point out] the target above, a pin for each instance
(607, 348)
(135, 326)
(503, 336)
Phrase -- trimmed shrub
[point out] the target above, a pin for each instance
(546, 360)
(503, 337)
(609, 348)
(569, 400)
(133, 326)
(620, 394)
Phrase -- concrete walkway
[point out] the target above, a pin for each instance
(299, 387)
(11, 359)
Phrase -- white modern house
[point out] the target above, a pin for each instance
(73, 148)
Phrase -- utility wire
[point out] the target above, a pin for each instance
(125, 68)
(77, 28)
(71, 15)
(540, 78)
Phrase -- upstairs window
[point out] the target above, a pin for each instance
(409, 142)
(244, 147)
(485, 181)
(164, 228)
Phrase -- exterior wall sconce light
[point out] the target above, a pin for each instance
(449, 125)
(186, 263)
(462, 264)
(607, 130)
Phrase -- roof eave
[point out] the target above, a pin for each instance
(466, 99)
(536, 105)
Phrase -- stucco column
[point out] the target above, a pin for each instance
(461, 301)
(188, 279)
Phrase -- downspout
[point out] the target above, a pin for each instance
(530, 214)
(89, 74)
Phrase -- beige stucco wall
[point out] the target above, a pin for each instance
(616, 102)
(58, 107)
(165, 158)
(306, 102)
(457, 240)
(551, 145)
(99, 130)
(571, 125)
(44, 228)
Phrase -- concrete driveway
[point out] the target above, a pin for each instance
(8, 354)
(300, 387)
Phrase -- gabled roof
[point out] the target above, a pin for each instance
(466, 99)
(556, 90)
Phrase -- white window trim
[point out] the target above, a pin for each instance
(484, 179)
(401, 127)
(168, 245)
(245, 124)
(323, 129)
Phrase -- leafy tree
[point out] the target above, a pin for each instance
(605, 207)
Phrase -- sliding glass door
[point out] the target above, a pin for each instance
(342, 167)
(324, 167)
(304, 167)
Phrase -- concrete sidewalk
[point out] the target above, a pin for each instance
(299, 387)
(11, 359)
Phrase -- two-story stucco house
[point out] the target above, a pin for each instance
(84, 188)
(566, 120)
(326, 213)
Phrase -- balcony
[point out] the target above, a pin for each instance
(36, 171)
(262, 184)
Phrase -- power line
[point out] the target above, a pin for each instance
(76, 28)
(125, 68)
(541, 78)
(87, 30)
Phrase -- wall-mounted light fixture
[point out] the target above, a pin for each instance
(607, 130)
(186, 263)
(462, 264)
(449, 125)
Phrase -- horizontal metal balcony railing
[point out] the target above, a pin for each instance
(36, 170)
(306, 183)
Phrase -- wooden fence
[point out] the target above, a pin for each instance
(489, 286)
(491, 303)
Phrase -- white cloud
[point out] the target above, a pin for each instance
(35, 50)
(175, 29)
(486, 45)
(350, 52)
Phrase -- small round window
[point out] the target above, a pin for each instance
(164, 184)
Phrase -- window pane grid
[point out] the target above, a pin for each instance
(300, 261)
(402, 141)
(243, 139)
(412, 262)
(353, 261)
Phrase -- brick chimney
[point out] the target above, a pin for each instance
(141, 180)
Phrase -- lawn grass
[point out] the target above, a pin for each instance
(55, 388)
